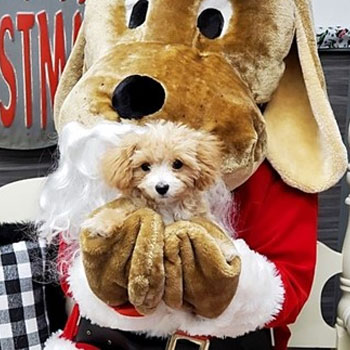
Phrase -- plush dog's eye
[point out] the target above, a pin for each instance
(214, 17)
(146, 166)
(211, 23)
(138, 14)
(178, 164)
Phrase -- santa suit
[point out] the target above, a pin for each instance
(277, 222)
(280, 222)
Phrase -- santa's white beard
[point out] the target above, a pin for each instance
(76, 187)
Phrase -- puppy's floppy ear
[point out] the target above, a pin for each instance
(117, 166)
(72, 73)
(209, 156)
(303, 140)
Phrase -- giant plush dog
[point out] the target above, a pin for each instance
(247, 72)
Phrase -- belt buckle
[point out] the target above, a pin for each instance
(203, 344)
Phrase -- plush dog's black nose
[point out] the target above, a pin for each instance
(162, 188)
(137, 96)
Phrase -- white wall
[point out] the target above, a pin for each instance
(331, 12)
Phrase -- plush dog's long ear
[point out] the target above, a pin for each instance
(304, 143)
(71, 75)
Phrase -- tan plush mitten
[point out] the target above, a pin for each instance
(198, 275)
(127, 265)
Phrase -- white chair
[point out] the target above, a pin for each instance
(19, 201)
(310, 329)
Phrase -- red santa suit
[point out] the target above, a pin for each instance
(279, 225)
(280, 222)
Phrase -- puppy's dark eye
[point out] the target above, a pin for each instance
(178, 164)
(146, 167)
(211, 23)
(138, 14)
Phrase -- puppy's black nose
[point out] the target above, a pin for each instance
(137, 96)
(162, 188)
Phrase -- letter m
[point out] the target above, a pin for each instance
(51, 65)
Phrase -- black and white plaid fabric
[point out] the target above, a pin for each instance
(23, 316)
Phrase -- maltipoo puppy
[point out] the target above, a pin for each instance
(168, 168)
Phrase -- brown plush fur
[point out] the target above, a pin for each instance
(128, 264)
(241, 127)
(190, 247)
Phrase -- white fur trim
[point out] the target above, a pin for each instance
(160, 323)
(258, 300)
(57, 343)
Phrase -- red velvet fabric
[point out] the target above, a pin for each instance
(280, 223)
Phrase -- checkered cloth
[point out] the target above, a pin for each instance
(23, 316)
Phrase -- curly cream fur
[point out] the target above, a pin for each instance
(159, 147)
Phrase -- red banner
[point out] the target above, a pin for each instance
(34, 46)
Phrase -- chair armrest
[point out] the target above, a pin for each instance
(343, 318)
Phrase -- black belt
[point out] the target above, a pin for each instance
(108, 339)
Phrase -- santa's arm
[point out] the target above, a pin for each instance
(280, 223)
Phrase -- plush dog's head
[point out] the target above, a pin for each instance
(214, 65)
(165, 163)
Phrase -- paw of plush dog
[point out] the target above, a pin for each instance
(194, 261)
(127, 265)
